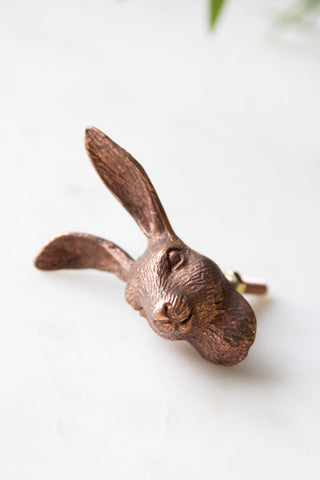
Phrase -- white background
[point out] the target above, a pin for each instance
(227, 126)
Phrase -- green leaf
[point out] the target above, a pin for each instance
(215, 8)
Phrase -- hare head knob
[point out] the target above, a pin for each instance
(183, 294)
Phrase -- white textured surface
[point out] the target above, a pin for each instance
(227, 126)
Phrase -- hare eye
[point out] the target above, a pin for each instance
(174, 258)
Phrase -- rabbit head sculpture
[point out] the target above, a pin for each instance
(182, 294)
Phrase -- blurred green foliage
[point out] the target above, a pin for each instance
(295, 14)
(298, 11)
(215, 8)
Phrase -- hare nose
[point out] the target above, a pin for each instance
(161, 312)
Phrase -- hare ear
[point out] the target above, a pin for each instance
(128, 182)
(80, 250)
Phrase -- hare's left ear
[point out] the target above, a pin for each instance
(129, 183)
(80, 250)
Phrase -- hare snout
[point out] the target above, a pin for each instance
(172, 318)
(174, 309)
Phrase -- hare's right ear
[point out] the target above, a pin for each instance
(128, 182)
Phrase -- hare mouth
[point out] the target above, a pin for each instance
(182, 328)
(172, 325)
